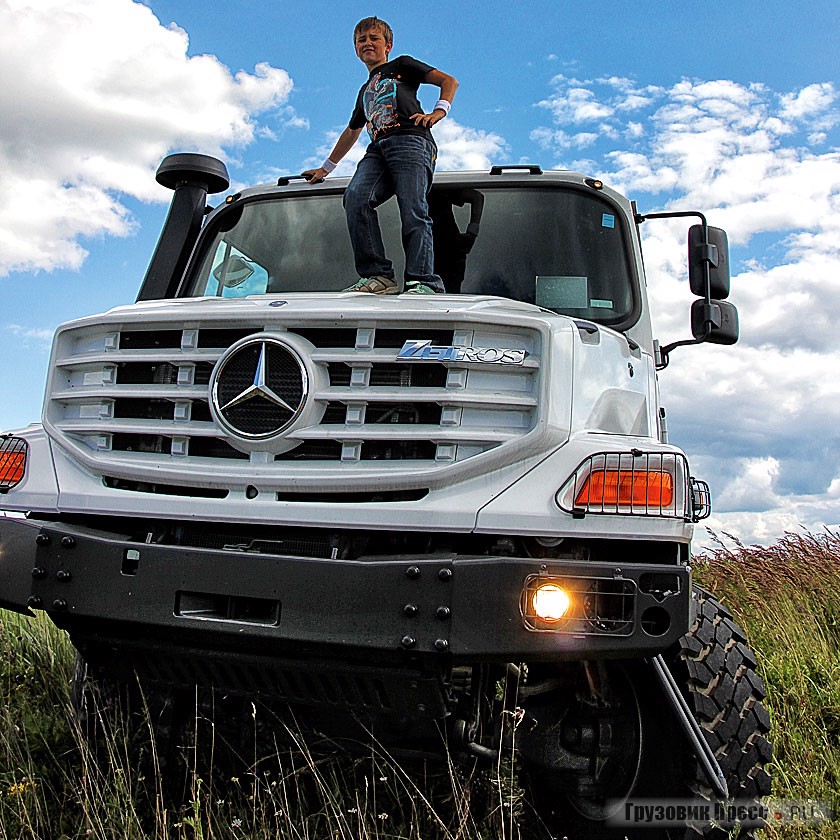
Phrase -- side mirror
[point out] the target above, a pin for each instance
(712, 318)
(715, 254)
(719, 318)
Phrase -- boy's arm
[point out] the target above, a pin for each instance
(346, 141)
(448, 85)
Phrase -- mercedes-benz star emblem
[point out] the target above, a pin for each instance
(258, 388)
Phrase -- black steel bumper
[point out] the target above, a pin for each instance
(469, 608)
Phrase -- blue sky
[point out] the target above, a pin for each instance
(730, 108)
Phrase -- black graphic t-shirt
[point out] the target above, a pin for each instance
(389, 97)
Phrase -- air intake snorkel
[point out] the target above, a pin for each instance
(192, 177)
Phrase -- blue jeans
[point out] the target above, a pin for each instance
(400, 165)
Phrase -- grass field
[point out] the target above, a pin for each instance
(787, 596)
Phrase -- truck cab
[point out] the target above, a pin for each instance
(403, 515)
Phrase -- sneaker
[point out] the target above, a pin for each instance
(378, 285)
(415, 287)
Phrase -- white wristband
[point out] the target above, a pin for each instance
(328, 165)
(442, 105)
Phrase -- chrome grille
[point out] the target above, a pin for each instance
(133, 403)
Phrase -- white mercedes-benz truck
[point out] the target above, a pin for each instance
(417, 518)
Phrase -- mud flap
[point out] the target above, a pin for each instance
(17, 553)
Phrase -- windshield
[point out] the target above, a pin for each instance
(561, 248)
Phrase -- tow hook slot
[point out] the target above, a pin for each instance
(205, 606)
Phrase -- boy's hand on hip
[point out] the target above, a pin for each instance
(428, 120)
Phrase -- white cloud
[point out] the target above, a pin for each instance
(102, 91)
(548, 138)
(40, 336)
(576, 103)
(753, 487)
(813, 100)
(465, 148)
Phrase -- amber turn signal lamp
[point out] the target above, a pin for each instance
(12, 462)
(626, 487)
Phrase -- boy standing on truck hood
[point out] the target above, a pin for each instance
(400, 160)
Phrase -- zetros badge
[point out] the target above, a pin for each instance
(425, 351)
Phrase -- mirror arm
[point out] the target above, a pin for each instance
(664, 352)
(710, 258)
(675, 214)
(712, 319)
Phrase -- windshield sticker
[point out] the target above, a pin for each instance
(425, 351)
(608, 220)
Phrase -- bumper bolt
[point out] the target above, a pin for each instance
(59, 604)
(34, 601)
(63, 575)
(443, 613)
(412, 572)
(408, 641)
(441, 645)
(410, 610)
(68, 542)
(39, 573)
(445, 574)
(43, 539)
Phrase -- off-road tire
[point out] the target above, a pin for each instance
(715, 670)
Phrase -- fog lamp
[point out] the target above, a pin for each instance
(550, 602)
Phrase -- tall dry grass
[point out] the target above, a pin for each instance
(787, 597)
(55, 784)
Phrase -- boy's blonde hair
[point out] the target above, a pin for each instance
(374, 23)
